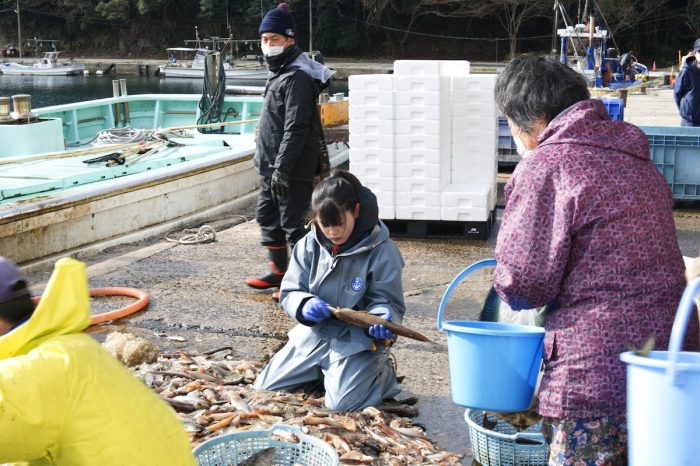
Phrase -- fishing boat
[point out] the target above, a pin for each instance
(95, 172)
(583, 45)
(195, 68)
(48, 65)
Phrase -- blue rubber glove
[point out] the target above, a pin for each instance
(380, 332)
(315, 310)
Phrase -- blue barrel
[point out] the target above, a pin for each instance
(494, 366)
(663, 398)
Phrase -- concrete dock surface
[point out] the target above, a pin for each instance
(197, 293)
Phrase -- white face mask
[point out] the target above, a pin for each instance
(520, 147)
(272, 50)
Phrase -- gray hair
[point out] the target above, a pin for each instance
(533, 87)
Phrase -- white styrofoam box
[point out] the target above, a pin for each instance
(407, 112)
(411, 156)
(480, 82)
(475, 160)
(371, 126)
(377, 185)
(474, 139)
(371, 112)
(418, 199)
(417, 98)
(371, 141)
(470, 171)
(384, 198)
(467, 195)
(419, 127)
(475, 122)
(371, 155)
(371, 98)
(493, 199)
(418, 170)
(417, 213)
(463, 96)
(417, 141)
(431, 68)
(387, 212)
(372, 170)
(371, 82)
(416, 68)
(454, 68)
(422, 185)
(481, 108)
(421, 84)
(462, 214)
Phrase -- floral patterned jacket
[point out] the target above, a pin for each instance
(588, 229)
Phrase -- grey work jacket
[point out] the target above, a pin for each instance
(366, 277)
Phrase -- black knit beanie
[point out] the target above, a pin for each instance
(279, 21)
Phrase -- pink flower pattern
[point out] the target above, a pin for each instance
(588, 229)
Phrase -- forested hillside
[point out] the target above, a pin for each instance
(477, 29)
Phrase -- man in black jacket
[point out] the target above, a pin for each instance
(288, 141)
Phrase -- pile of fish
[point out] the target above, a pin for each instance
(213, 395)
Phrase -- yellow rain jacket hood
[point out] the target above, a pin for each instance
(64, 400)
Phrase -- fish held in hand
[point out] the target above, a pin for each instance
(366, 320)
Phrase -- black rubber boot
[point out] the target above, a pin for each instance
(278, 266)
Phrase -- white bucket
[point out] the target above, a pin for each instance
(663, 398)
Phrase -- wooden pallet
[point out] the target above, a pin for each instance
(441, 229)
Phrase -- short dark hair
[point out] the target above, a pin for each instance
(333, 196)
(532, 87)
(17, 309)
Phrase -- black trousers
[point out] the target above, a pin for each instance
(282, 220)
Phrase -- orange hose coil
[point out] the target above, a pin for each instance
(141, 302)
(141, 296)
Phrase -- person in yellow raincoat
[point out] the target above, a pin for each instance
(64, 400)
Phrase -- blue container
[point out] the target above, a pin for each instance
(663, 398)
(615, 108)
(501, 444)
(676, 153)
(235, 447)
(493, 366)
(506, 145)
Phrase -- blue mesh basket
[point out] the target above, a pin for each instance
(231, 449)
(503, 445)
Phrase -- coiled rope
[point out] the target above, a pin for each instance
(203, 234)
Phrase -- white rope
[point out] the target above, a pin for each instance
(205, 234)
(121, 135)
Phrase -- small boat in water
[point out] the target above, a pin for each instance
(195, 67)
(48, 65)
(95, 172)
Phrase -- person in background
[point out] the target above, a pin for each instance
(588, 230)
(288, 148)
(346, 260)
(686, 91)
(64, 400)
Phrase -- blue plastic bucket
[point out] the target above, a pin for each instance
(663, 398)
(493, 366)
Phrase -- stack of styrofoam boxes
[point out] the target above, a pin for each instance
(471, 196)
(372, 136)
(422, 135)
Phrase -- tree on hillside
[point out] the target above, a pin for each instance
(378, 10)
(511, 14)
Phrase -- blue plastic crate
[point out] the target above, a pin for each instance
(506, 145)
(615, 108)
(676, 153)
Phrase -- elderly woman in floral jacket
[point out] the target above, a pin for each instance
(588, 230)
